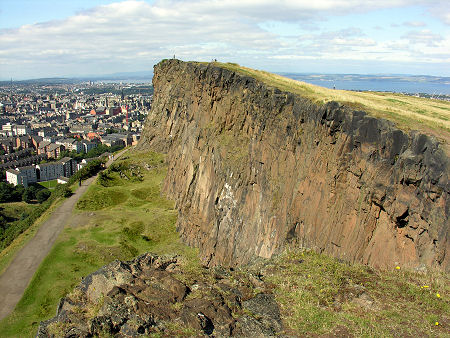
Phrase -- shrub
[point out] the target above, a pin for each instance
(43, 195)
(62, 190)
(28, 195)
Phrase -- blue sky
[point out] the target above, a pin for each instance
(69, 38)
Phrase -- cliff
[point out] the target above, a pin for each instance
(253, 169)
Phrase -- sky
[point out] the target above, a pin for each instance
(47, 38)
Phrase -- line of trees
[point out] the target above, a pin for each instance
(94, 152)
(34, 192)
(11, 228)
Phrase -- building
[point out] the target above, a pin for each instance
(50, 171)
(77, 146)
(88, 145)
(54, 150)
(69, 166)
(14, 177)
(22, 130)
(24, 142)
(29, 172)
(48, 131)
(22, 175)
(35, 139)
(7, 145)
(43, 147)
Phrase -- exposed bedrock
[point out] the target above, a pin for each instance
(253, 169)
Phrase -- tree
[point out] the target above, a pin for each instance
(43, 195)
(29, 195)
(7, 193)
(62, 190)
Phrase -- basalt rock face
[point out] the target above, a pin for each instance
(253, 169)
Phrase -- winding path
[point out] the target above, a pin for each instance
(17, 276)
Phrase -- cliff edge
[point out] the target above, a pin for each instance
(253, 169)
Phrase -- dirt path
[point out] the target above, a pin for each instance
(16, 277)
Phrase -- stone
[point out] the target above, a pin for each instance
(253, 169)
(151, 300)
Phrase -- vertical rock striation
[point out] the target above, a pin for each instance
(253, 169)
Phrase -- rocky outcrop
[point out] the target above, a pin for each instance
(253, 169)
(149, 295)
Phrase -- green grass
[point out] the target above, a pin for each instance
(318, 294)
(7, 254)
(408, 112)
(17, 210)
(49, 184)
(117, 222)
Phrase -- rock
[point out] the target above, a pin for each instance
(144, 297)
(265, 316)
(252, 168)
(365, 301)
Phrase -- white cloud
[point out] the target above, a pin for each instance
(424, 36)
(132, 35)
(414, 24)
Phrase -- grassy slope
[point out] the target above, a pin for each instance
(117, 222)
(16, 209)
(317, 294)
(409, 113)
(7, 254)
(320, 295)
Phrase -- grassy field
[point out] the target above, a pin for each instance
(117, 221)
(49, 184)
(409, 113)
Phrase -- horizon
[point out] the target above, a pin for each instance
(117, 74)
(48, 39)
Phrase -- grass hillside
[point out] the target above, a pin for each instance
(118, 219)
(409, 113)
(123, 215)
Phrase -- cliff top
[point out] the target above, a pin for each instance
(429, 116)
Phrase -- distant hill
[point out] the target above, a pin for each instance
(124, 76)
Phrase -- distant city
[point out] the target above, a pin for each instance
(47, 127)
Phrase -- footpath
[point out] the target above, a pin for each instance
(15, 279)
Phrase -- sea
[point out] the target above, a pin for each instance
(433, 86)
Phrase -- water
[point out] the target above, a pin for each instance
(411, 85)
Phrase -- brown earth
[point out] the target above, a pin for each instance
(253, 169)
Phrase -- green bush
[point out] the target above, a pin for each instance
(10, 193)
(91, 169)
(43, 195)
(62, 190)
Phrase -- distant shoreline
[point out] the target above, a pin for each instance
(405, 84)
(420, 85)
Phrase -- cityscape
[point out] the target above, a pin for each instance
(49, 128)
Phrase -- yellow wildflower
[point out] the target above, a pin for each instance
(397, 267)
(437, 323)
(438, 295)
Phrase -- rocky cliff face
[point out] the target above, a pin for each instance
(253, 169)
